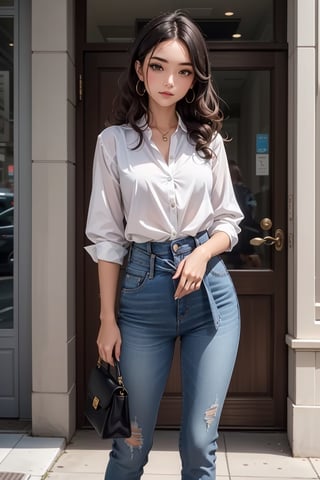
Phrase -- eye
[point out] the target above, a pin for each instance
(155, 67)
(186, 73)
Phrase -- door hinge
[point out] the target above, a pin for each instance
(80, 87)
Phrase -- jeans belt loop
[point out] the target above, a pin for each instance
(197, 240)
(130, 252)
(152, 263)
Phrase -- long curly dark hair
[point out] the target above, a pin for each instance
(202, 117)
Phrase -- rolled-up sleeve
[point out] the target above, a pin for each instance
(227, 213)
(105, 221)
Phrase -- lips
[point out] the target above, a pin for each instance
(166, 94)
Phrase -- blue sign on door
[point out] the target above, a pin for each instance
(262, 143)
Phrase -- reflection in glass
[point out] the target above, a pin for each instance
(109, 22)
(245, 101)
(6, 173)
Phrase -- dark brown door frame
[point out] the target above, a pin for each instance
(280, 45)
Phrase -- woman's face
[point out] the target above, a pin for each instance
(167, 73)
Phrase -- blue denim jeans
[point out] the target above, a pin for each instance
(207, 323)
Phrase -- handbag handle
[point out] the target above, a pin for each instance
(102, 363)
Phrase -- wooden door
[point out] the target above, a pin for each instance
(253, 84)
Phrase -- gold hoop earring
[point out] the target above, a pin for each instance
(193, 96)
(137, 89)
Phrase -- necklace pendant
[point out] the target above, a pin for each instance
(164, 138)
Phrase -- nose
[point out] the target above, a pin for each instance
(169, 82)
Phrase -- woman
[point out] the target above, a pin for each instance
(162, 193)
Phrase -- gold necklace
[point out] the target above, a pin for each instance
(164, 135)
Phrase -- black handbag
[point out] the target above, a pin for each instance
(107, 407)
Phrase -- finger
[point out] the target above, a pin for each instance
(188, 287)
(101, 353)
(117, 350)
(180, 288)
(179, 270)
(110, 359)
(190, 282)
(182, 294)
(192, 286)
(177, 293)
(106, 355)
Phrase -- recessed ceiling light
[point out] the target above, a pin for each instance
(229, 14)
(10, 44)
(236, 35)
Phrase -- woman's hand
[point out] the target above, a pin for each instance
(191, 271)
(109, 341)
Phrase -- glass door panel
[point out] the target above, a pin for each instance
(245, 102)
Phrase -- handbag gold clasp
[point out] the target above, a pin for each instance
(95, 402)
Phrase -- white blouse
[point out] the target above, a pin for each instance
(138, 197)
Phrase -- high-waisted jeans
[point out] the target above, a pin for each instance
(208, 325)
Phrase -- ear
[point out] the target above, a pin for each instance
(139, 71)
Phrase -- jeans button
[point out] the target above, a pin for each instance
(175, 247)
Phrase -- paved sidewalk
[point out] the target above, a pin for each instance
(241, 456)
(33, 456)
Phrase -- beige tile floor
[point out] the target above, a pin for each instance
(242, 455)
(22, 453)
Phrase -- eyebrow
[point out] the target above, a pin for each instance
(166, 61)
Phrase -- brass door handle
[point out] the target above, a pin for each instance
(277, 240)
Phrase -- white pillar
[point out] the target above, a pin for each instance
(53, 218)
(303, 337)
